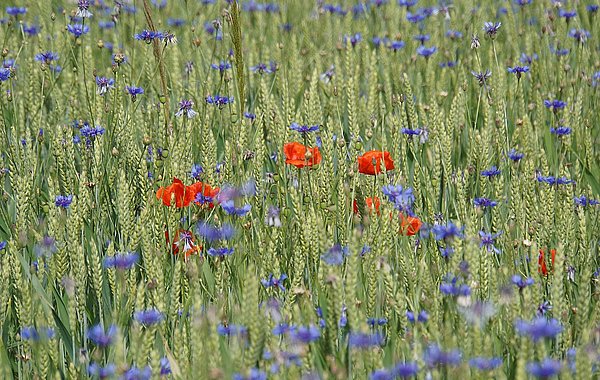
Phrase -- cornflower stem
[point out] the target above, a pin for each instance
(87, 93)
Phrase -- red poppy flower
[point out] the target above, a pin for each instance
(370, 162)
(300, 156)
(208, 193)
(184, 242)
(175, 191)
(409, 225)
(369, 203)
(542, 268)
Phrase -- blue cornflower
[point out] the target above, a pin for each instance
(250, 116)
(426, 51)
(446, 252)
(46, 57)
(165, 366)
(485, 364)
(407, 3)
(592, 8)
(488, 240)
(447, 232)
(102, 24)
(412, 132)
(175, 22)
(377, 321)
(381, 374)
(4, 74)
(544, 369)
(231, 329)
(405, 370)
(522, 3)
(134, 92)
(304, 334)
(551, 180)
(213, 233)
(395, 45)
(254, 374)
(491, 172)
(567, 14)
(31, 30)
(453, 34)
(220, 252)
(122, 261)
(560, 131)
(104, 84)
(275, 282)
(261, 68)
(83, 9)
(539, 328)
(434, 357)
(365, 340)
(229, 207)
(91, 132)
(78, 29)
(148, 36)
(37, 334)
(484, 202)
(543, 309)
(515, 156)
(159, 4)
(491, 29)
(98, 337)
(94, 369)
(583, 201)
(353, 39)
(218, 100)
(580, 35)
(196, 171)
(415, 17)
(3, 244)
(304, 128)
(482, 77)
(421, 317)
(221, 66)
(135, 373)
(528, 59)
(555, 104)
(335, 255)
(63, 201)
(518, 70)
(403, 198)
(185, 108)
(521, 282)
(15, 11)
(451, 287)
(272, 217)
(148, 317)
(422, 38)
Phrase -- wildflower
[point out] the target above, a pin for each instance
(37, 334)
(15, 11)
(422, 317)
(405, 370)
(543, 309)
(3, 244)
(254, 374)
(362, 340)
(122, 261)
(379, 322)
(518, 70)
(335, 255)
(169, 38)
(261, 68)
(100, 338)
(567, 14)
(104, 84)
(304, 128)
(4, 74)
(515, 156)
(542, 268)
(475, 44)
(78, 29)
(63, 201)
(592, 8)
(482, 77)
(521, 282)
(272, 217)
(485, 364)
(451, 287)
(203, 194)
(526, 59)
(184, 242)
(484, 202)
(454, 34)
(275, 282)
(447, 232)
(488, 240)
(184, 195)
(230, 209)
(212, 233)
(583, 201)
(491, 29)
(434, 357)
(185, 107)
(403, 199)
(580, 35)
(148, 317)
(560, 131)
(422, 38)
(411, 132)
(555, 104)
(551, 180)
(134, 92)
(370, 162)
(91, 132)
(409, 225)
(353, 39)
(220, 252)
(539, 328)
(300, 156)
(491, 172)
(135, 373)
(446, 252)
(46, 57)
(148, 36)
(221, 66)
(165, 366)
(82, 9)
(304, 334)
(218, 100)
(108, 371)
(106, 24)
(426, 51)
(231, 329)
